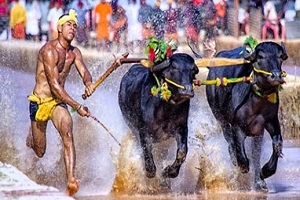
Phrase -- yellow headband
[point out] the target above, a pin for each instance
(71, 16)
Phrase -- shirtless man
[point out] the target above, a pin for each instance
(49, 99)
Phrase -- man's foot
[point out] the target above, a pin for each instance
(29, 139)
(73, 187)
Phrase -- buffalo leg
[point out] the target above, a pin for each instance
(260, 184)
(270, 167)
(228, 135)
(172, 171)
(148, 156)
(242, 160)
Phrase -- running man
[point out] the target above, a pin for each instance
(49, 99)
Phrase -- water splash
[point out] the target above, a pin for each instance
(102, 165)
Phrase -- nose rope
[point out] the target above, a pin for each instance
(162, 90)
(176, 84)
(283, 73)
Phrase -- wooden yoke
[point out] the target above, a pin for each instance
(218, 62)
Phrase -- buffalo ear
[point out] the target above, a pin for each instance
(284, 55)
(161, 66)
(248, 53)
(196, 69)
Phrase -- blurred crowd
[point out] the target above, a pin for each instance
(128, 23)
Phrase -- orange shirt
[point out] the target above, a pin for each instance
(103, 12)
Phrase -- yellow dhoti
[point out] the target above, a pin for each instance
(46, 106)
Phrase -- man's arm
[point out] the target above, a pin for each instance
(84, 72)
(50, 57)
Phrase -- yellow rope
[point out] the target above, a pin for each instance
(222, 81)
(262, 71)
(176, 84)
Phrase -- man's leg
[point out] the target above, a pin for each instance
(264, 32)
(63, 122)
(36, 138)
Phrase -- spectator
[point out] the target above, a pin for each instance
(18, 20)
(103, 12)
(145, 18)
(81, 9)
(297, 9)
(54, 13)
(243, 19)
(221, 10)
(289, 10)
(209, 22)
(172, 17)
(289, 14)
(270, 19)
(4, 20)
(191, 24)
(33, 15)
(134, 31)
(158, 21)
(119, 23)
(44, 25)
(209, 18)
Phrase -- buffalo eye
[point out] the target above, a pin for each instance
(260, 56)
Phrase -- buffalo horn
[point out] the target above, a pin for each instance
(161, 66)
(248, 55)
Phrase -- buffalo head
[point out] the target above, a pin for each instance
(178, 71)
(267, 60)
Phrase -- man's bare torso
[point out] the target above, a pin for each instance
(53, 56)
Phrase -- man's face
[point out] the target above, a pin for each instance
(69, 30)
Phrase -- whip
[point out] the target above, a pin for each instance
(98, 121)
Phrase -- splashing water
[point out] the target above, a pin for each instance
(102, 165)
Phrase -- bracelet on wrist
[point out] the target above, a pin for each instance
(78, 108)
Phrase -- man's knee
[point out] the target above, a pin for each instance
(40, 152)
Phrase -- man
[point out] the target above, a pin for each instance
(49, 99)
(103, 12)
(271, 19)
(145, 18)
(81, 8)
(158, 21)
(18, 21)
(55, 11)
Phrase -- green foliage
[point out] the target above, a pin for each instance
(250, 43)
(158, 50)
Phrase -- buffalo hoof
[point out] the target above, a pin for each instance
(244, 168)
(150, 171)
(170, 172)
(150, 174)
(261, 186)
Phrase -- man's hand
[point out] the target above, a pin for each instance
(89, 89)
(83, 111)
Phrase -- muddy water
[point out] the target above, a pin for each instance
(109, 171)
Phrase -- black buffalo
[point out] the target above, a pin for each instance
(153, 119)
(247, 109)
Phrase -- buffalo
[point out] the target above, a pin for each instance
(246, 109)
(155, 104)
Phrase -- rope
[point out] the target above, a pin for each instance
(176, 84)
(283, 74)
(97, 120)
(223, 81)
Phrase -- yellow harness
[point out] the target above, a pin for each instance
(46, 106)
